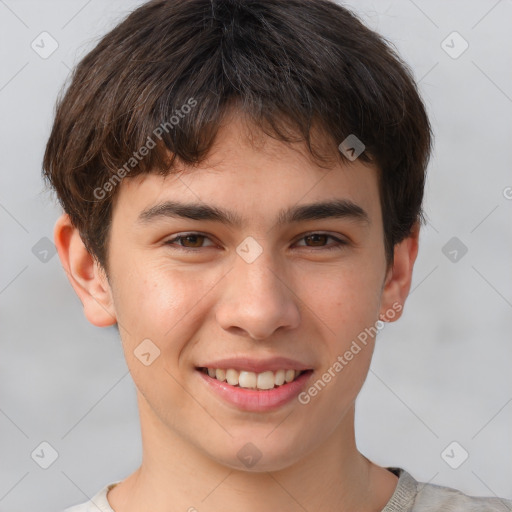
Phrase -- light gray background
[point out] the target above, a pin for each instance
(440, 374)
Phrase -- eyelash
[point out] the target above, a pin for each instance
(338, 245)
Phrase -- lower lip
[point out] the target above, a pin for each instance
(254, 400)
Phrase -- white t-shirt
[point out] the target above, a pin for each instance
(409, 496)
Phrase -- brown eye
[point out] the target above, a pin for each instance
(320, 240)
(195, 240)
(187, 241)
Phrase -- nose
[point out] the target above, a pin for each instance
(257, 300)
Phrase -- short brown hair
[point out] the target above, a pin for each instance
(309, 63)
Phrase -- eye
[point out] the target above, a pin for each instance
(318, 240)
(192, 242)
(195, 239)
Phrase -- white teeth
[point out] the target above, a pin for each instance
(289, 375)
(279, 378)
(266, 380)
(247, 380)
(220, 374)
(232, 377)
(252, 380)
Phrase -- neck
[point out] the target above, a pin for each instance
(176, 475)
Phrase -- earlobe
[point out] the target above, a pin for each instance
(84, 273)
(399, 277)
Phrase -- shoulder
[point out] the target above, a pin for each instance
(413, 496)
(432, 497)
(98, 503)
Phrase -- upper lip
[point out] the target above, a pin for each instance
(256, 365)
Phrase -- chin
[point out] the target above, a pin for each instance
(260, 453)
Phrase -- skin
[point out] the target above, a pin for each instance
(297, 300)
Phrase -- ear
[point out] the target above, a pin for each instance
(84, 273)
(398, 278)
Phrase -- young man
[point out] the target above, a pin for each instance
(242, 185)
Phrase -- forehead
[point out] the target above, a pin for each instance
(257, 175)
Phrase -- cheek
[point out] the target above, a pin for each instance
(345, 296)
(163, 306)
(347, 301)
(347, 304)
(160, 301)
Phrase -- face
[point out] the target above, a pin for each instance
(261, 280)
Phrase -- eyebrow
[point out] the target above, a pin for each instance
(337, 208)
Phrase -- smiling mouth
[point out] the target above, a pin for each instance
(263, 381)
